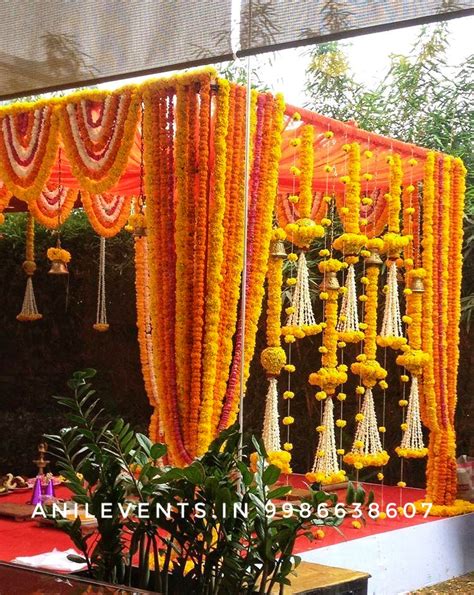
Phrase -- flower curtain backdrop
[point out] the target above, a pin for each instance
(386, 217)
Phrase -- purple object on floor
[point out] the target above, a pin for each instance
(49, 491)
(36, 498)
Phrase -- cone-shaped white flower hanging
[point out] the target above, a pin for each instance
(412, 446)
(326, 467)
(367, 448)
(271, 428)
(29, 310)
(348, 324)
(391, 333)
(101, 324)
(302, 316)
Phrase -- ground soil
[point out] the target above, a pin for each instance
(461, 584)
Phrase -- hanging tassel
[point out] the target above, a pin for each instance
(391, 334)
(348, 324)
(326, 468)
(412, 446)
(271, 428)
(367, 449)
(29, 310)
(101, 324)
(301, 319)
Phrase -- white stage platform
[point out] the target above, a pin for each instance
(406, 559)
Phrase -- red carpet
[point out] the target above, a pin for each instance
(27, 538)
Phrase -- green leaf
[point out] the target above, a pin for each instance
(271, 475)
(279, 492)
(157, 451)
(359, 495)
(350, 494)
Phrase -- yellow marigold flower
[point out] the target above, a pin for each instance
(295, 142)
(407, 319)
(327, 168)
(288, 446)
(410, 188)
(295, 170)
(382, 429)
(324, 252)
(368, 154)
(288, 420)
(329, 134)
(293, 198)
(360, 390)
(341, 344)
(404, 378)
(341, 423)
(407, 291)
(362, 326)
(390, 160)
(289, 339)
(297, 116)
(380, 476)
(367, 176)
(382, 515)
(403, 402)
(356, 524)
(404, 426)
(340, 451)
(344, 210)
(288, 394)
(320, 428)
(401, 484)
(346, 147)
(327, 198)
(363, 298)
(345, 180)
(289, 368)
(321, 395)
(343, 291)
(322, 349)
(409, 210)
(341, 397)
(409, 262)
(383, 385)
(364, 280)
(359, 444)
(367, 201)
(320, 453)
(358, 465)
(291, 281)
(325, 221)
(323, 295)
(359, 416)
(290, 310)
(363, 222)
(361, 357)
(320, 534)
(292, 257)
(412, 161)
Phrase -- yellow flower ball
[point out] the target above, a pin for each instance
(412, 161)
(404, 378)
(357, 524)
(288, 394)
(288, 420)
(407, 291)
(290, 339)
(343, 291)
(320, 454)
(359, 416)
(292, 257)
(401, 484)
(327, 198)
(345, 180)
(358, 465)
(383, 385)
(320, 428)
(296, 116)
(340, 451)
(341, 423)
(363, 298)
(327, 168)
(341, 344)
(362, 326)
(367, 201)
(382, 429)
(407, 319)
(341, 397)
(346, 147)
(344, 210)
(291, 281)
(404, 426)
(290, 310)
(321, 395)
(293, 198)
(322, 349)
(364, 280)
(295, 142)
(380, 476)
(410, 210)
(360, 390)
(319, 534)
(358, 444)
(368, 154)
(323, 295)
(289, 368)
(288, 446)
(367, 177)
(295, 171)
(329, 134)
(326, 222)
(410, 189)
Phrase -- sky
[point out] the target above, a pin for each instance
(369, 57)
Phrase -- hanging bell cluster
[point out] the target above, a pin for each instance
(58, 267)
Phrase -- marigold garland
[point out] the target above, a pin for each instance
(59, 254)
(53, 205)
(107, 212)
(305, 202)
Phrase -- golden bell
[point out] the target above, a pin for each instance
(139, 232)
(58, 267)
(329, 281)
(417, 285)
(277, 249)
(374, 258)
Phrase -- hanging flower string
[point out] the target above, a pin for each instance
(101, 324)
(29, 310)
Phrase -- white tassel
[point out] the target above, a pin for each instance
(348, 324)
(367, 429)
(101, 316)
(29, 310)
(326, 466)
(392, 322)
(412, 445)
(303, 310)
(271, 428)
